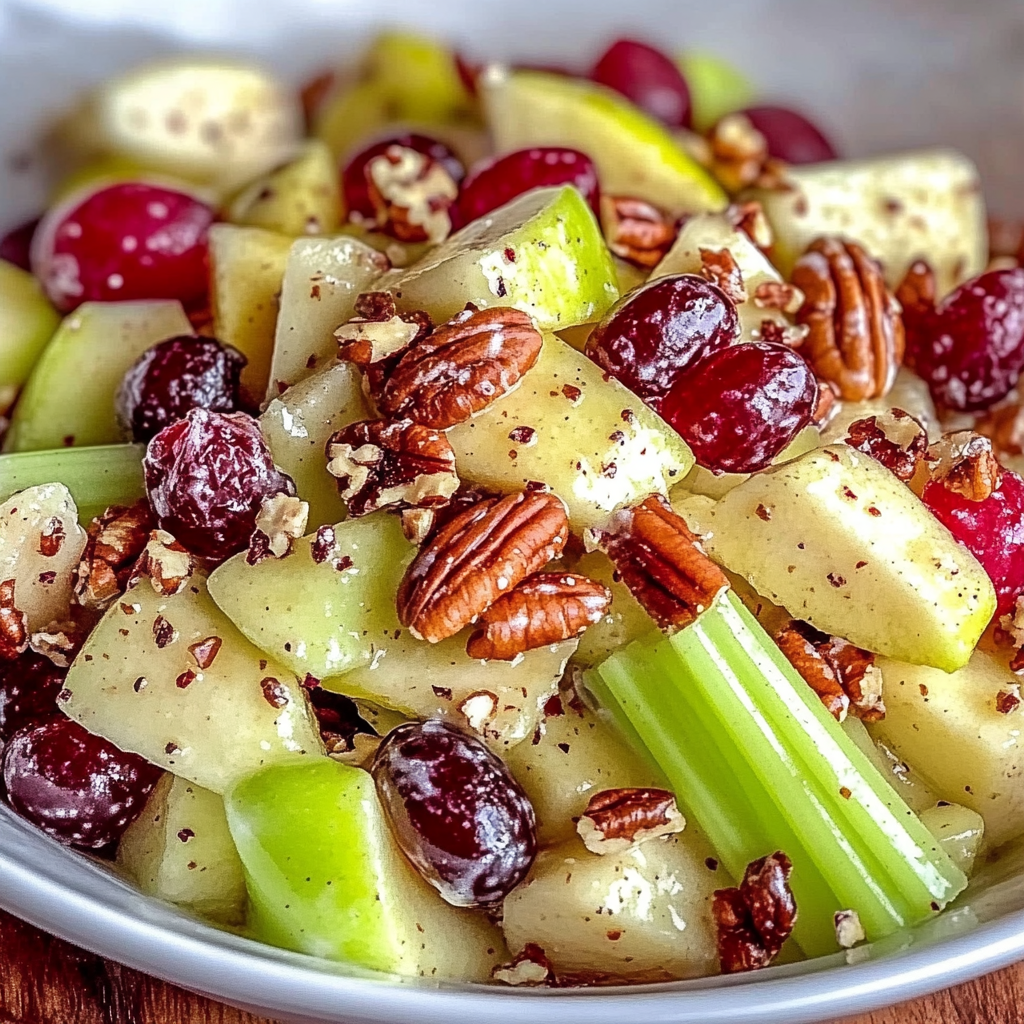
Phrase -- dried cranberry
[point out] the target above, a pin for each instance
(651, 335)
(206, 476)
(456, 812)
(16, 245)
(648, 78)
(175, 376)
(739, 407)
(500, 180)
(970, 350)
(355, 181)
(28, 692)
(125, 241)
(790, 136)
(73, 785)
(992, 530)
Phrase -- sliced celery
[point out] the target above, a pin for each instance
(761, 765)
(96, 477)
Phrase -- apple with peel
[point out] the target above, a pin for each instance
(27, 322)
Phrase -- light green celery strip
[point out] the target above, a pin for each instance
(96, 477)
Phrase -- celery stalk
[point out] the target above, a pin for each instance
(96, 477)
(761, 765)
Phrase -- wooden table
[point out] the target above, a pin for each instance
(46, 981)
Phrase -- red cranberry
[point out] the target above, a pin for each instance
(648, 78)
(740, 406)
(457, 813)
(355, 177)
(651, 335)
(73, 785)
(790, 136)
(28, 692)
(992, 530)
(125, 241)
(175, 376)
(206, 476)
(16, 245)
(970, 350)
(500, 180)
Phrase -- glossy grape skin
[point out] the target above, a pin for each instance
(458, 815)
(739, 407)
(16, 245)
(791, 136)
(648, 78)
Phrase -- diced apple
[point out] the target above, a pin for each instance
(542, 253)
(949, 728)
(27, 322)
(624, 622)
(139, 683)
(246, 270)
(323, 618)
(297, 425)
(325, 877)
(41, 544)
(920, 205)
(69, 397)
(645, 913)
(959, 830)
(835, 538)
(180, 850)
(323, 277)
(595, 444)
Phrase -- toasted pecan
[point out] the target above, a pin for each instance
(720, 268)
(617, 819)
(636, 231)
(411, 193)
(963, 462)
(895, 439)
(116, 539)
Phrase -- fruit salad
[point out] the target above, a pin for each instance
(530, 526)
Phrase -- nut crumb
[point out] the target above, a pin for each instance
(849, 930)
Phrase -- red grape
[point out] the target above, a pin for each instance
(648, 78)
(790, 136)
(16, 245)
(28, 692)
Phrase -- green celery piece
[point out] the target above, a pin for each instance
(96, 477)
(760, 764)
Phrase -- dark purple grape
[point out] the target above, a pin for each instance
(73, 785)
(206, 476)
(648, 78)
(28, 692)
(739, 407)
(790, 136)
(458, 815)
(16, 245)
(651, 335)
(175, 376)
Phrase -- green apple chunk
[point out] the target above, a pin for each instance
(325, 877)
(297, 425)
(322, 618)
(542, 253)
(948, 727)
(27, 322)
(959, 830)
(593, 442)
(644, 913)
(139, 682)
(323, 277)
(717, 87)
(301, 197)
(502, 701)
(920, 205)
(69, 397)
(834, 537)
(41, 544)
(246, 270)
(180, 850)
(635, 155)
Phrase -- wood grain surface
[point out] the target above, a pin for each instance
(46, 981)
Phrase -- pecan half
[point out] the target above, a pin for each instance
(13, 624)
(856, 339)
(662, 563)
(544, 609)
(476, 557)
(380, 464)
(165, 563)
(963, 462)
(115, 540)
(464, 366)
(720, 268)
(280, 522)
(636, 231)
(895, 439)
(755, 919)
(617, 819)
(411, 194)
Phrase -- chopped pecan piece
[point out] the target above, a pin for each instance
(380, 464)
(777, 295)
(116, 539)
(849, 930)
(826, 406)
(13, 624)
(544, 609)
(856, 339)
(662, 563)
(803, 654)
(51, 539)
(165, 563)
(916, 292)
(471, 561)
(963, 462)
(739, 152)
(793, 335)
(755, 919)
(1013, 622)
(530, 967)
(895, 439)
(280, 522)
(636, 231)
(411, 194)
(617, 819)
(462, 367)
(749, 218)
(720, 268)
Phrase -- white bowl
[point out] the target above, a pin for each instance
(881, 74)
